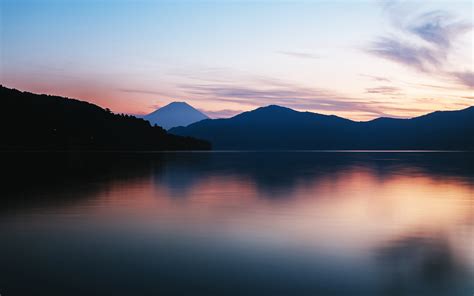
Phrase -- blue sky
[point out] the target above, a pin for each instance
(358, 59)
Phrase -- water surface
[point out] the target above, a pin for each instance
(237, 223)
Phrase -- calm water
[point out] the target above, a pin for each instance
(248, 223)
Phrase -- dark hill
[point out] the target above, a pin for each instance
(275, 127)
(42, 122)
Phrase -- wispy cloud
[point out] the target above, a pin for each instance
(466, 78)
(141, 91)
(376, 78)
(225, 113)
(424, 41)
(418, 57)
(438, 28)
(292, 96)
(384, 90)
(300, 55)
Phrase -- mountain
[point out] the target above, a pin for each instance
(175, 114)
(274, 127)
(42, 122)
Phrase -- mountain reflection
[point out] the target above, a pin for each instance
(275, 223)
(414, 263)
(274, 174)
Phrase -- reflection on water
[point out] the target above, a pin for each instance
(237, 223)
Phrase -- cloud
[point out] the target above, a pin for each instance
(292, 96)
(376, 78)
(384, 90)
(420, 58)
(225, 113)
(301, 55)
(142, 91)
(466, 78)
(425, 42)
(438, 28)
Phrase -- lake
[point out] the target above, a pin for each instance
(237, 223)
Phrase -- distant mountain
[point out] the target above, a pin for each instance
(175, 114)
(42, 122)
(275, 127)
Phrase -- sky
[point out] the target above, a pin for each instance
(355, 59)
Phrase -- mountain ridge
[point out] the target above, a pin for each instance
(276, 127)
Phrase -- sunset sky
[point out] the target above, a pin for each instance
(356, 59)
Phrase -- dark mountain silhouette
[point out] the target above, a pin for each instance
(275, 127)
(175, 114)
(57, 123)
